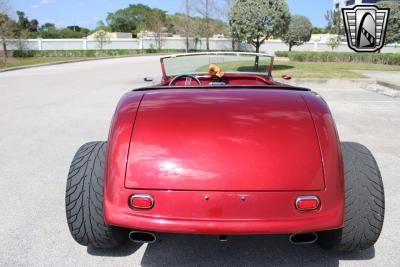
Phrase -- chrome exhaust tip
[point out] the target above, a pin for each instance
(303, 238)
(142, 237)
(223, 238)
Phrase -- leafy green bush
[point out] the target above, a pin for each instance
(87, 53)
(24, 53)
(282, 53)
(374, 58)
(151, 51)
(74, 53)
(92, 53)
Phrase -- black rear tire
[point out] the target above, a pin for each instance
(84, 199)
(364, 202)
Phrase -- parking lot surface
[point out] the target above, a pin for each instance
(46, 113)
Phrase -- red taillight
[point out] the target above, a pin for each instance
(307, 203)
(141, 201)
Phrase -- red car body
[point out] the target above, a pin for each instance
(224, 159)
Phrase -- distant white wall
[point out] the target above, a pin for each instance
(174, 43)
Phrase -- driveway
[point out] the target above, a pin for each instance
(46, 113)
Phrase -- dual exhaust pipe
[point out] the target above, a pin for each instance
(296, 238)
(303, 238)
(142, 237)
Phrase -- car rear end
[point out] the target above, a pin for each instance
(237, 161)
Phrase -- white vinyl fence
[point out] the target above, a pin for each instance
(173, 43)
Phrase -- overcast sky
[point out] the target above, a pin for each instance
(88, 12)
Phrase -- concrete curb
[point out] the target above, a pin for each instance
(368, 84)
(388, 84)
(379, 80)
(75, 61)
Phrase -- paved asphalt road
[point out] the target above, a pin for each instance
(46, 113)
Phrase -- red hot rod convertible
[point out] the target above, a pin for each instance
(220, 148)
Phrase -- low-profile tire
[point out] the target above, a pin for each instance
(84, 200)
(364, 202)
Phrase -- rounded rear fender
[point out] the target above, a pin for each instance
(329, 143)
(118, 146)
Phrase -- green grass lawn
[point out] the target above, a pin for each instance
(308, 69)
(18, 62)
(326, 69)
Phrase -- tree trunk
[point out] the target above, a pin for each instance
(207, 27)
(187, 43)
(257, 61)
(5, 56)
(158, 42)
(187, 24)
(257, 47)
(290, 47)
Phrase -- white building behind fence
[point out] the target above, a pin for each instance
(337, 4)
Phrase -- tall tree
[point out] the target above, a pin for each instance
(131, 19)
(102, 37)
(334, 22)
(8, 27)
(227, 5)
(34, 25)
(255, 21)
(187, 23)
(393, 29)
(334, 42)
(203, 7)
(156, 22)
(24, 24)
(299, 32)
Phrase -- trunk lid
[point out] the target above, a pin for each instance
(224, 140)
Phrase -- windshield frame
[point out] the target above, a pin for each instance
(269, 71)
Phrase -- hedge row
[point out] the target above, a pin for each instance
(374, 58)
(89, 53)
(282, 53)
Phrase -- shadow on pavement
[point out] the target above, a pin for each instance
(184, 250)
(128, 249)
